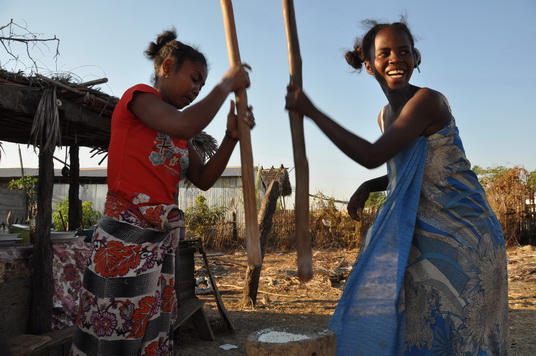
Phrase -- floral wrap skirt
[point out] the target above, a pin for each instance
(128, 305)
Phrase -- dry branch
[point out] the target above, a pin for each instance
(26, 38)
(87, 97)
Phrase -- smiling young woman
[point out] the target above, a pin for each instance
(431, 277)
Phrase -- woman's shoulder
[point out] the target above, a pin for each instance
(425, 93)
(433, 100)
(437, 107)
(128, 95)
(140, 87)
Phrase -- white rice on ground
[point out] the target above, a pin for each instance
(279, 337)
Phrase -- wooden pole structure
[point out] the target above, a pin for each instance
(75, 209)
(303, 236)
(246, 155)
(42, 281)
(265, 218)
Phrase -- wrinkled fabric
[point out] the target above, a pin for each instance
(431, 276)
(144, 165)
(128, 303)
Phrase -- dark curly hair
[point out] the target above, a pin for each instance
(167, 45)
(362, 46)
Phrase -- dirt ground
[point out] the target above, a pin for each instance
(283, 300)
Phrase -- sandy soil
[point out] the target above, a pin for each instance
(283, 300)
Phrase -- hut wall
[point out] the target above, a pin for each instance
(14, 201)
(15, 290)
(227, 191)
(95, 193)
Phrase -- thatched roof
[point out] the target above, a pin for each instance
(84, 112)
(280, 174)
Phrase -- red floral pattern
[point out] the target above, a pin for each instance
(141, 316)
(119, 318)
(116, 259)
(168, 298)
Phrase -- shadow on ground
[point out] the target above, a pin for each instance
(188, 342)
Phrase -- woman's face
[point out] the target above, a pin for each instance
(392, 59)
(183, 85)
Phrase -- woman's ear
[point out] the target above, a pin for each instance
(167, 67)
(368, 67)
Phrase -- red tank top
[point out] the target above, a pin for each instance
(144, 166)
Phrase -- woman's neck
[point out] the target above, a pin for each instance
(397, 99)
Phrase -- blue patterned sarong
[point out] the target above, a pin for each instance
(431, 276)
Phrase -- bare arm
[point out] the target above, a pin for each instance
(185, 124)
(423, 110)
(361, 195)
(204, 175)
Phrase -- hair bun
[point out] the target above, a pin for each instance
(162, 40)
(354, 58)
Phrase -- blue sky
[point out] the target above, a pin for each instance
(480, 54)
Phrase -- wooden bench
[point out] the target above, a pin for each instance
(193, 310)
(58, 341)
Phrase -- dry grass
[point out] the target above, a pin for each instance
(329, 227)
(507, 195)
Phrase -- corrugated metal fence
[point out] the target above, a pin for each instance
(227, 192)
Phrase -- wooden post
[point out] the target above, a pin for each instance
(266, 215)
(75, 210)
(42, 280)
(21, 163)
(235, 228)
(246, 155)
(303, 236)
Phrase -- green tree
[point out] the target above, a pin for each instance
(200, 217)
(531, 182)
(29, 185)
(486, 176)
(375, 200)
(60, 216)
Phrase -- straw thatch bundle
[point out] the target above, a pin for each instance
(205, 144)
(279, 174)
(46, 130)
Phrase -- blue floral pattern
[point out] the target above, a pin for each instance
(431, 278)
